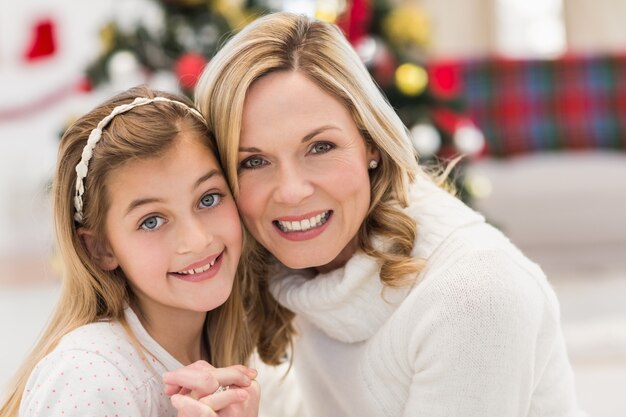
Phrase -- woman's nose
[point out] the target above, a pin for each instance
(293, 185)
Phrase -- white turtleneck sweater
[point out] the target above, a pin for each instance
(477, 336)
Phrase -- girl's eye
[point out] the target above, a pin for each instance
(210, 200)
(253, 162)
(152, 223)
(321, 147)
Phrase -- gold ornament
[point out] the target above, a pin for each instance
(234, 14)
(407, 25)
(411, 79)
(107, 37)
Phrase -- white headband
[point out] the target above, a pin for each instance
(94, 137)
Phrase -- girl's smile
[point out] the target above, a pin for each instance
(202, 270)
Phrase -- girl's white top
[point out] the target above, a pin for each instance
(96, 371)
(477, 336)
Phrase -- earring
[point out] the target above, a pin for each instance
(373, 164)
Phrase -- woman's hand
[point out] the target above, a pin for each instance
(194, 390)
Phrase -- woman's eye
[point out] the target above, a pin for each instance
(210, 200)
(253, 162)
(152, 223)
(321, 147)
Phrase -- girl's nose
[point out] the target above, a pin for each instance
(193, 237)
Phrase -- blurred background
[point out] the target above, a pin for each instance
(532, 91)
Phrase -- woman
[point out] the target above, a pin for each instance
(396, 297)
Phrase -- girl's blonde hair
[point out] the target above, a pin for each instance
(288, 42)
(90, 294)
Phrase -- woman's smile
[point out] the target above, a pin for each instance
(309, 227)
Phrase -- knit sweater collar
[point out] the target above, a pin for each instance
(346, 303)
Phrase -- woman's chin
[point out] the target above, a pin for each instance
(298, 263)
(304, 262)
(322, 261)
(319, 264)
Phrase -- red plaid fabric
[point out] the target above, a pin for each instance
(542, 105)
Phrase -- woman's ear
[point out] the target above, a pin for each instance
(373, 154)
(100, 252)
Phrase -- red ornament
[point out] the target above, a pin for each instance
(355, 22)
(188, 69)
(84, 85)
(446, 119)
(445, 79)
(43, 43)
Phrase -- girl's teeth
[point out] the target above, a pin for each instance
(201, 269)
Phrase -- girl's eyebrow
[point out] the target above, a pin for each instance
(212, 173)
(140, 202)
(147, 200)
(305, 139)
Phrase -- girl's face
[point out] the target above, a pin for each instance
(173, 228)
(303, 172)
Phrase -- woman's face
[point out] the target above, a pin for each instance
(304, 188)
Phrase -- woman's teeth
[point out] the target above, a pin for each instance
(200, 269)
(303, 225)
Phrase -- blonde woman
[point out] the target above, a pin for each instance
(392, 296)
(150, 240)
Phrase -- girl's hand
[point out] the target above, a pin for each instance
(193, 390)
(201, 379)
(234, 402)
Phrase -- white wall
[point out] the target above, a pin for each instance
(460, 27)
(595, 25)
(28, 143)
(471, 27)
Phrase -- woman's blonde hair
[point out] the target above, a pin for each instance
(318, 50)
(90, 294)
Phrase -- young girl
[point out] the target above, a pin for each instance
(150, 239)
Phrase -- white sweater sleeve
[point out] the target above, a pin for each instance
(280, 393)
(79, 383)
(488, 328)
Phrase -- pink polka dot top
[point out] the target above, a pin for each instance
(96, 371)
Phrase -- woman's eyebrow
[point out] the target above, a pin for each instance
(251, 149)
(317, 131)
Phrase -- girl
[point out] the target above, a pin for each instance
(150, 239)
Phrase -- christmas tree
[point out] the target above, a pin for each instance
(177, 40)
